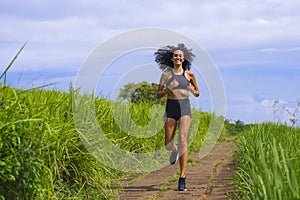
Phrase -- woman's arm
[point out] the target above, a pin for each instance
(161, 91)
(194, 87)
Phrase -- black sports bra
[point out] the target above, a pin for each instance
(183, 82)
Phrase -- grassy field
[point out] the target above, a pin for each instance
(268, 161)
(48, 148)
(43, 157)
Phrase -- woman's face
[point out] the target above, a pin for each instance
(178, 57)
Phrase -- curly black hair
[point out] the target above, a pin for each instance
(164, 55)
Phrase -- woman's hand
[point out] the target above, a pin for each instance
(173, 84)
(191, 88)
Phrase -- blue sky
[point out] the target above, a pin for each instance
(254, 44)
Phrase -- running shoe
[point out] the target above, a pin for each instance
(173, 157)
(181, 184)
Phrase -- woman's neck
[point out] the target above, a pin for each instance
(177, 69)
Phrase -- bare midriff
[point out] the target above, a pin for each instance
(178, 94)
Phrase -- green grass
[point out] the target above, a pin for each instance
(268, 161)
(44, 135)
(42, 155)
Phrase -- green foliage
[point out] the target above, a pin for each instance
(235, 128)
(123, 123)
(140, 92)
(198, 129)
(21, 164)
(42, 155)
(268, 161)
(3, 75)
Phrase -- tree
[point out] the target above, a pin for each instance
(140, 93)
(234, 128)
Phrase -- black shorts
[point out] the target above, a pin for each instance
(178, 108)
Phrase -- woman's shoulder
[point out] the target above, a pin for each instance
(165, 76)
(167, 73)
(190, 73)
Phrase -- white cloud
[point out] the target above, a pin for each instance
(61, 34)
(241, 98)
(246, 108)
(250, 110)
(272, 50)
(267, 102)
(216, 23)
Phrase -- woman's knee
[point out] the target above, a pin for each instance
(182, 145)
(169, 145)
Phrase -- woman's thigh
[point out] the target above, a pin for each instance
(184, 124)
(170, 128)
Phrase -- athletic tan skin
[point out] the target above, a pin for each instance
(184, 122)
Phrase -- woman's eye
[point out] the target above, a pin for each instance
(177, 55)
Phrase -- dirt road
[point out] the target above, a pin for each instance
(207, 178)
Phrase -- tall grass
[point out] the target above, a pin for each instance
(268, 161)
(4, 74)
(142, 125)
(42, 155)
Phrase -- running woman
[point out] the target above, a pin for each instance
(176, 82)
